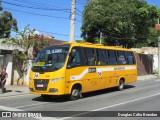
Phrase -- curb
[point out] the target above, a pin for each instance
(153, 78)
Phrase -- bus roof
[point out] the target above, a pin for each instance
(101, 46)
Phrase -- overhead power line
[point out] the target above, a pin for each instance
(56, 33)
(40, 4)
(79, 11)
(35, 13)
(81, 3)
(43, 15)
(38, 8)
(84, 2)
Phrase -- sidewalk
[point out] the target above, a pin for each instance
(147, 77)
(14, 90)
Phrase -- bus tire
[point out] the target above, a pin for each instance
(75, 93)
(121, 85)
(45, 97)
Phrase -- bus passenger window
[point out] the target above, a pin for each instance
(130, 57)
(101, 57)
(90, 56)
(112, 57)
(121, 57)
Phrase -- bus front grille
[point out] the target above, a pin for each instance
(41, 84)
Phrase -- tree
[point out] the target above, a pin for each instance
(126, 22)
(31, 41)
(80, 41)
(7, 23)
(145, 18)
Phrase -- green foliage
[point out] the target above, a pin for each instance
(8, 41)
(7, 23)
(21, 56)
(28, 39)
(80, 41)
(124, 22)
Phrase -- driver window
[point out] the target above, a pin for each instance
(76, 60)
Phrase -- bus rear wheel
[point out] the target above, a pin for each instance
(75, 93)
(121, 85)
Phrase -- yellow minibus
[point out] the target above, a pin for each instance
(75, 68)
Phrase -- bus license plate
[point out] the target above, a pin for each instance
(40, 85)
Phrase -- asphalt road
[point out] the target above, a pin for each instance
(134, 100)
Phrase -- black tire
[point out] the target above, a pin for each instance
(121, 85)
(75, 93)
(46, 97)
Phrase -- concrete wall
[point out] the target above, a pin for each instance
(8, 65)
(4, 46)
(155, 63)
(16, 78)
(28, 67)
(1, 61)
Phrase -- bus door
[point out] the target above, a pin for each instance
(76, 71)
(81, 68)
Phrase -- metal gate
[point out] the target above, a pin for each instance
(144, 63)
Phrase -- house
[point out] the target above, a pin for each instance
(6, 59)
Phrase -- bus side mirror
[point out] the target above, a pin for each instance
(73, 53)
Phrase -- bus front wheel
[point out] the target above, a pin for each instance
(75, 93)
(121, 85)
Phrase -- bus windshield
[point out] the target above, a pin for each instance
(51, 58)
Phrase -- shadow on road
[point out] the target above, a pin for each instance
(7, 91)
(18, 91)
(85, 95)
(105, 91)
(51, 99)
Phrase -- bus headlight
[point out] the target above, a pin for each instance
(56, 79)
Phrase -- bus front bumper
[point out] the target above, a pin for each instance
(50, 91)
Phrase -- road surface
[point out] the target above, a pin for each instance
(133, 100)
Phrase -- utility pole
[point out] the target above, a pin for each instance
(72, 24)
(158, 28)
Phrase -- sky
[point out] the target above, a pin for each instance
(49, 16)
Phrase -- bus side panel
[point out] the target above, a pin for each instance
(73, 76)
(90, 81)
(132, 76)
